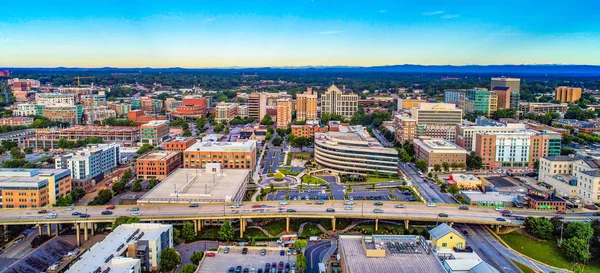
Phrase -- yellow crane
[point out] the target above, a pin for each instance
(79, 79)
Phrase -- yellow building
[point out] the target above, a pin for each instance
(284, 113)
(443, 236)
(306, 105)
(410, 103)
(567, 94)
(464, 181)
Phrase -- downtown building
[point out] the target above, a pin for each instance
(306, 105)
(257, 105)
(72, 114)
(435, 120)
(33, 188)
(572, 176)
(54, 98)
(49, 137)
(284, 113)
(437, 151)
(334, 101)
(89, 165)
(226, 111)
(543, 108)
(567, 94)
(466, 133)
(191, 107)
(154, 132)
(352, 150)
(157, 164)
(230, 155)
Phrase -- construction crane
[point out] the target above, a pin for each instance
(79, 79)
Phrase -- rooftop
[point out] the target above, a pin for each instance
(204, 146)
(562, 158)
(30, 178)
(154, 123)
(477, 196)
(542, 198)
(352, 138)
(593, 173)
(441, 231)
(159, 155)
(438, 145)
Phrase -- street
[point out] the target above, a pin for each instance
(314, 255)
(428, 193)
(16, 251)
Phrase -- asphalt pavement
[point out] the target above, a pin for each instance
(412, 173)
(16, 251)
(314, 255)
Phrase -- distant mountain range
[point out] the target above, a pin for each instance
(550, 69)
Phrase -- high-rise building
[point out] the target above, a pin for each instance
(513, 83)
(154, 132)
(465, 134)
(242, 111)
(334, 101)
(226, 111)
(406, 128)
(306, 105)
(25, 110)
(477, 100)
(257, 105)
(437, 113)
(567, 94)
(284, 113)
(503, 93)
(88, 165)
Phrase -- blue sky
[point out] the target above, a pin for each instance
(256, 33)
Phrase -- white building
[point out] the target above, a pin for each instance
(242, 111)
(130, 246)
(572, 176)
(25, 110)
(90, 162)
(54, 98)
(465, 134)
(334, 101)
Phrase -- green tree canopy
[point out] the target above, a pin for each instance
(539, 227)
(125, 220)
(197, 257)
(421, 165)
(169, 260)
(188, 268)
(579, 230)
(474, 161)
(575, 250)
(226, 231)
(187, 232)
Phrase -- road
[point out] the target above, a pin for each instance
(381, 138)
(337, 190)
(428, 193)
(14, 252)
(314, 255)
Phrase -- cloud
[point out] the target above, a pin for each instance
(382, 11)
(450, 16)
(208, 20)
(430, 13)
(9, 40)
(330, 32)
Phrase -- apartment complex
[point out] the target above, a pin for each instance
(257, 105)
(157, 164)
(89, 165)
(406, 128)
(465, 133)
(334, 101)
(96, 114)
(16, 121)
(25, 110)
(179, 143)
(93, 100)
(54, 98)
(121, 109)
(231, 155)
(148, 105)
(33, 188)
(515, 150)
(353, 150)
(306, 105)
(23, 84)
(439, 151)
(242, 111)
(543, 108)
(131, 248)
(567, 94)
(284, 113)
(513, 83)
(154, 132)
(49, 137)
(61, 112)
(226, 111)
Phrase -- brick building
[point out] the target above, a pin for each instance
(231, 155)
(157, 164)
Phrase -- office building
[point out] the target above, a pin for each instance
(452, 95)
(406, 128)
(191, 107)
(200, 185)
(226, 111)
(440, 151)
(334, 101)
(130, 248)
(54, 98)
(230, 155)
(49, 137)
(242, 111)
(515, 150)
(33, 188)
(89, 165)
(409, 103)
(93, 100)
(306, 105)
(16, 121)
(567, 94)
(513, 83)
(25, 110)
(503, 94)
(543, 108)
(446, 132)
(437, 114)
(478, 100)
(284, 113)
(465, 133)
(572, 176)
(154, 132)
(353, 150)
(257, 105)
(307, 130)
(179, 143)
(73, 114)
(157, 164)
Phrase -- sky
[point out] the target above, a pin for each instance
(227, 33)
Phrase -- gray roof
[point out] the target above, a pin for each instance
(594, 173)
(441, 231)
(483, 267)
(593, 163)
(562, 158)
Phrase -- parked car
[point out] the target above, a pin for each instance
(432, 187)
(238, 269)
(226, 250)
(280, 267)
(256, 206)
(330, 210)
(559, 217)
(282, 253)
(520, 218)
(193, 205)
(591, 207)
(499, 208)
(210, 254)
(378, 203)
(231, 270)
(443, 215)
(596, 214)
(463, 208)
(107, 212)
(465, 232)
(289, 252)
(110, 207)
(399, 206)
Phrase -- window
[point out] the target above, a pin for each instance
(444, 244)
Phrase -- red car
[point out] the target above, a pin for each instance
(255, 206)
(210, 254)
(110, 207)
(561, 212)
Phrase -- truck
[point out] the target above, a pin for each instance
(314, 239)
(506, 213)
(287, 240)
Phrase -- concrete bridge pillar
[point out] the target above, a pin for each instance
(333, 224)
(497, 228)
(85, 231)
(195, 225)
(450, 224)
(57, 229)
(241, 228)
(406, 224)
(376, 224)
(287, 224)
(48, 229)
(78, 232)
(39, 229)
(93, 228)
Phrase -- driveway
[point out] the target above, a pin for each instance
(186, 250)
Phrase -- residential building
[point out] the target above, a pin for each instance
(439, 151)
(334, 101)
(231, 155)
(154, 132)
(23, 84)
(242, 111)
(121, 109)
(49, 137)
(54, 98)
(513, 83)
(89, 165)
(464, 181)
(567, 94)
(4, 73)
(515, 150)
(444, 236)
(25, 110)
(257, 105)
(437, 113)
(284, 113)
(171, 104)
(140, 117)
(33, 188)
(446, 132)
(453, 95)
(306, 105)
(543, 108)
(93, 100)
(543, 127)
(409, 103)
(179, 143)
(353, 150)
(150, 106)
(73, 114)
(589, 186)
(226, 111)
(405, 128)
(16, 121)
(383, 102)
(307, 130)
(130, 248)
(96, 114)
(157, 164)
(465, 133)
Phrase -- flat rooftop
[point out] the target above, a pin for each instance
(28, 178)
(350, 137)
(159, 155)
(415, 260)
(438, 145)
(197, 185)
(206, 146)
(477, 196)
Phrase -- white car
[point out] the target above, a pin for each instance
(348, 208)
(399, 206)
(52, 215)
(70, 208)
(235, 206)
(136, 214)
(499, 208)
(284, 202)
(349, 202)
(431, 205)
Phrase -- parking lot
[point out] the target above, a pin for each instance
(223, 261)
(308, 194)
(370, 195)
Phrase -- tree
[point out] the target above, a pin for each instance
(453, 189)
(539, 227)
(103, 197)
(169, 259)
(64, 200)
(188, 268)
(474, 161)
(9, 144)
(277, 141)
(576, 250)
(187, 133)
(197, 257)
(118, 187)
(446, 166)
(151, 183)
(505, 113)
(404, 156)
(579, 230)
(16, 153)
(188, 232)
(226, 232)
(301, 261)
(266, 120)
(77, 194)
(299, 244)
(437, 167)
(566, 151)
(137, 185)
(127, 173)
(144, 149)
(278, 176)
(125, 220)
(421, 165)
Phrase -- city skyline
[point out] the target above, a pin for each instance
(301, 33)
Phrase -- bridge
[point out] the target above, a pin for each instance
(17, 136)
(179, 213)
